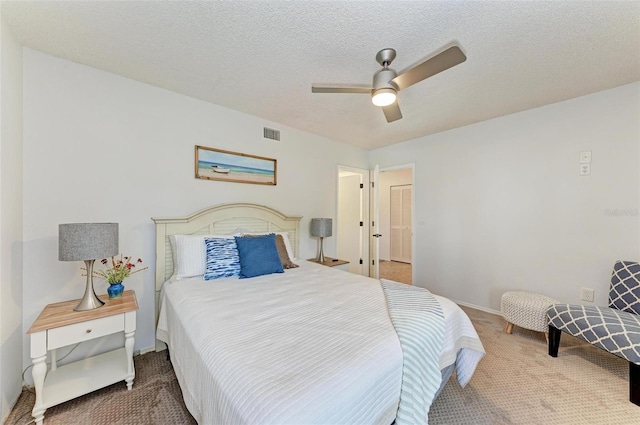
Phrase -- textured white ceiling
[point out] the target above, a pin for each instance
(261, 57)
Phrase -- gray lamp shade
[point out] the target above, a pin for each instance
(321, 227)
(87, 241)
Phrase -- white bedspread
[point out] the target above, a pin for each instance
(461, 343)
(418, 320)
(312, 345)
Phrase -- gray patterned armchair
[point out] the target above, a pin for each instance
(615, 329)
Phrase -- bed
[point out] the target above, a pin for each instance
(309, 345)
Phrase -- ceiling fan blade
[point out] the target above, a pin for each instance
(392, 112)
(440, 62)
(352, 89)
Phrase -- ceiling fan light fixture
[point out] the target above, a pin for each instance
(383, 97)
(387, 82)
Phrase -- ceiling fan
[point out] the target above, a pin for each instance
(387, 83)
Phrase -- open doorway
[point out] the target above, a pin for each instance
(396, 221)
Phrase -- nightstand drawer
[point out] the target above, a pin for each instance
(79, 332)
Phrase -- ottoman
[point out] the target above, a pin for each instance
(527, 310)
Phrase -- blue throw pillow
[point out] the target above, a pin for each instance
(222, 258)
(258, 256)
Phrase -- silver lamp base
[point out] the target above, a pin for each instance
(320, 258)
(89, 301)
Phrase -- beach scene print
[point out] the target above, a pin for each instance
(213, 164)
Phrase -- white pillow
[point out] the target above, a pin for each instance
(190, 254)
(285, 236)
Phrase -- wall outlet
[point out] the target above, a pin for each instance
(585, 169)
(587, 294)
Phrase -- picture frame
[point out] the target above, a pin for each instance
(222, 165)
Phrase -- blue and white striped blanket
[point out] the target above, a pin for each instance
(419, 323)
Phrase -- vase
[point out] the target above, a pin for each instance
(115, 290)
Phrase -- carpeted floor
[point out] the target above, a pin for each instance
(516, 383)
(155, 399)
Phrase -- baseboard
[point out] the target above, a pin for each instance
(11, 406)
(160, 345)
(144, 351)
(147, 350)
(477, 307)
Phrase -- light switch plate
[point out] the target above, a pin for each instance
(585, 157)
(585, 169)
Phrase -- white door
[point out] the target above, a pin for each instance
(400, 214)
(352, 214)
(374, 265)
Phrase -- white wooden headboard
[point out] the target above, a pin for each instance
(221, 219)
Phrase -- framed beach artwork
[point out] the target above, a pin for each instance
(217, 164)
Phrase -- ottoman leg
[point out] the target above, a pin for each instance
(554, 341)
(508, 328)
(634, 383)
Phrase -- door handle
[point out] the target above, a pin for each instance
(377, 235)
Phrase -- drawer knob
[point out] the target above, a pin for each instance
(88, 331)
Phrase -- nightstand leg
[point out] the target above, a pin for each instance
(128, 345)
(54, 359)
(39, 372)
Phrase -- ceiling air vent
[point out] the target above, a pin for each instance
(270, 133)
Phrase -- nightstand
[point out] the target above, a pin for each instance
(58, 326)
(333, 262)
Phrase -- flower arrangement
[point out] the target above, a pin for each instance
(118, 270)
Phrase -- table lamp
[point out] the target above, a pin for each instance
(321, 227)
(87, 242)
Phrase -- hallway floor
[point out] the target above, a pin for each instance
(395, 270)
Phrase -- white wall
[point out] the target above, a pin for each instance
(387, 179)
(10, 221)
(99, 147)
(505, 208)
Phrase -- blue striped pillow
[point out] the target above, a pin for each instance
(222, 258)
